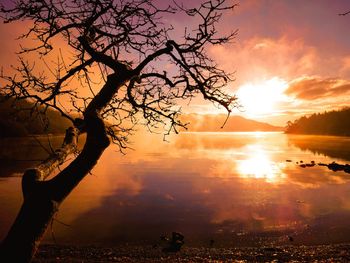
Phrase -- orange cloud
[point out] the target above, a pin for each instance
(258, 59)
(311, 88)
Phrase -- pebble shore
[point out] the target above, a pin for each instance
(320, 253)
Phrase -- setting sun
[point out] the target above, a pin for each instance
(258, 99)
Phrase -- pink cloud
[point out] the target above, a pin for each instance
(263, 58)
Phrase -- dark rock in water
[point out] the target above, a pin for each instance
(175, 243)
(332, 166)
(304, 165)
(290, 238)
(310, 164)
(336, 167)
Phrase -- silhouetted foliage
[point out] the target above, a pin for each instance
(327, 123)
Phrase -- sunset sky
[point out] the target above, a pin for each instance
(290, 57)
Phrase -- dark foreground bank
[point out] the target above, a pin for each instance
(324, 253)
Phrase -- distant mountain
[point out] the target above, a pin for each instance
(213, 123)
(327, 123)
(16, 122)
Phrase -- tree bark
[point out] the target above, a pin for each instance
(43, 198)
(38, 207)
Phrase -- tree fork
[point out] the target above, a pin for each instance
(43, 198)
(38, 207)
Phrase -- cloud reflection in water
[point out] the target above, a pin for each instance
(234, 187)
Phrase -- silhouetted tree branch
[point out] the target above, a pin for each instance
(113, 71)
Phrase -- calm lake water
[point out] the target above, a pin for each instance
(235, 188)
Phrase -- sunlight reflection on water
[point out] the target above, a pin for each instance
(234, 187)
(260, 166)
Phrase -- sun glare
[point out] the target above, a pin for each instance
(259, 166)
(260, 99)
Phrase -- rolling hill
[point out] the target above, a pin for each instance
(15, 122)
(213, 123)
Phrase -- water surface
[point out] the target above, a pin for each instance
(235, 188)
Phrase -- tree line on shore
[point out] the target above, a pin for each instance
(328, 123)
(17, 119)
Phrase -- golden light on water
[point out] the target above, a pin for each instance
(258, 165)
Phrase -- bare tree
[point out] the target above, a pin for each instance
(122, 47)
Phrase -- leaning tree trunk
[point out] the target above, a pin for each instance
(42, 198)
